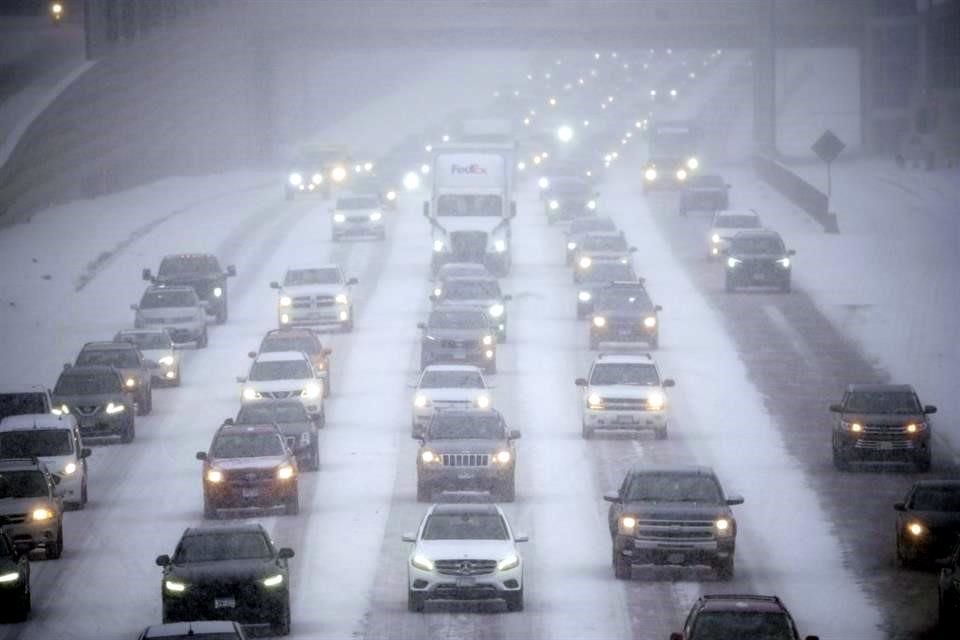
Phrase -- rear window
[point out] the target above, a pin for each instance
(358, 203)
(109, 357)
(187, 265)
(758, 245)
(87, 384)
(35, 443)
(163, 299)
(722, 625)
(16, 404)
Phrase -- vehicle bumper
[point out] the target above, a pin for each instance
(482, 357)
(261, 495)
(337, 314)
(628, 420)
(464, 478)
(33, 535)
(624, 334)
(860, 448)
(673, 551)
(181, 332)
(360, 228)
(253, 605)
(437, 586)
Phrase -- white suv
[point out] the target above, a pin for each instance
(448, 386)
(624, 392)
(358, 214)
(284, 374)
(315, 296)
(464, 551)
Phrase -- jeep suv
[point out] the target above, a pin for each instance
(315, 296)
(98, 399)
(126, 358)
(599, 246)
(672, 516)
(623, 312)
(568, 199)
(624, 391)
(580, 227)
(880, 422)
(31, 513)
(739, 616)
(704, 193)
(758, 258)
(202, 272)
(470, 449)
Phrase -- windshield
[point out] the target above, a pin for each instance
(188, 266)
(469, 205)
(147, 340)
(122, 359)
(306, 344)
(246, 445)
(933, 498)
(737, 222)
(636, 300)
(229, 545)
(471, 289)
(585, 225)
(570, 188)
(673, 487)
(758, 245)
(15, 404)
(23, 484)
(162, 299)
(362, 202)
(296, 277)
(280, 370)
(608, 272)
(451, 379)
(604, 243)
(87, 384)
(461, 427)
(465, 526)
(904, 402)
(35, 443)
(644, 375)
(266, 412)
(755, 625)
(458, 320)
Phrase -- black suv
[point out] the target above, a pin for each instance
(928, 521)
(202, 272)
(228, 573)
(600, 275)
(97, 396)
(738, 616)
(881, 422)
(458, 336)
(673, 516)
(623, 312)
(758, 259)
(704, 193)
(127, 359)
(467, 449)
(298, 428)
(14, 581)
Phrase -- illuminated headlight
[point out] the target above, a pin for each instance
(784, 262)
(166, 361)
(284, 472)
(585, 262)
(521, 166)
(437, 291)
(6, 578)
(502, 457)
(429, 457)
(437, 246)
(296, 179)
(41, 514)
(584, 296)
(571, 246)
(411, 181)
(628, 522)
(421, 561)
(341, 298)
(114, 408)
(339, 174)
(681, 174)
(496, 310)
(733, 262)
(854, 427)
(599, 321)
(500, 246)
(343, 316)
(316, 178)
(130, 383)
(715, 238)
(376, 216)
(916, 529)
(286, 301)
(488, 354)
(70, 468)
(273, 581)
(217, 292)
(482, 401)
(693, 164)
(174, 587)
(284, 318)
(655, 401)
(420, 401)
(723, 526)
(510, 562)
(56, 9)
(543, 183)
(649, 322)
(650, 174)
(311, 391)
(554, 205)
(591, 204)
(487, 341)
(339, 218)
(594, 401)
(368, 166)
(62, 410)
(249, 393)
(914, 427)
(391, 195)
(215, 476)
(424, 169)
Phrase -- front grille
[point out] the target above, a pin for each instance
(246, 477)
(468, 244)
(310, 302)
(700, 530)
(452, 404)
(458, 344)
(12, 518)
(465, 567)
(278, 395)
(86, 409)
(465, 459)
(885, 432)
(625, 404)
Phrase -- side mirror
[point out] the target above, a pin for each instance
(231, 271)
(352, 281)
(791, 252)
(521, 537)
(899, 506)
(86, 452)
(274, 285)
(408, 537)
(658, 308)
(241, 379)
(669, 382)
(285, 553)
(734, 499)
(580, 382)
(66, 365)
(421, 325)
(507, 298)
(612, 497)
(251, 354)
(55, 479)
(163, 561)
(146, 275)
(135, 307)
(929, 408)
(514, 434)
(426, 209)
(228, 421)
(836, 408)
(201, 455)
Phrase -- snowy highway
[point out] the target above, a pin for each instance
(755, 374)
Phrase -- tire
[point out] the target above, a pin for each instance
(661, 434)
(946, 617)
(507, 490)
(176, 381)
(281, 627)
(202, 342)
(622, 568)
(902, 561)
(83, 494)
(210, 510)
(594, 343)
(490, 367)
(840, 461)
(314, 461)
(292, 505)
(502, 338)
(322, 420)
(129, 432)
(922, 461)
(729, 286)
(149, 400)
(586, 432)
(54, 552)
(424, 492)
(725, 568)
(327, 387)
(654, 342)
(514, 600)
(785, 287)
(222, 312)
(415, 601)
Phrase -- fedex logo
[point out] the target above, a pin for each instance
(470, 169)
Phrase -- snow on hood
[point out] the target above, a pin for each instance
(466, 549)
(313, 289)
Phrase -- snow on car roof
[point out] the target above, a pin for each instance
(451, 367)
(625, 358)
(281, 356)
(28, 421)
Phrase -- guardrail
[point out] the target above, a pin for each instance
(797, 190)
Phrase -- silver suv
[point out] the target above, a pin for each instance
(30, 511)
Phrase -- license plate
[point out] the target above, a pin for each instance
(625, 419)
(760, 276)
(676, 558)
(250, 493)
(886, 446)
(465, 476)
(466, 582)
(224, 603)
(88, 422)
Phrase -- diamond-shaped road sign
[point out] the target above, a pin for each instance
(828, 146)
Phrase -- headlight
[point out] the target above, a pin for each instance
(628, 522)
(681, 174)
(391, 195)
(500, 246)
(311, 391)
(693, 164)
(543, 183)
(784, 262)
(487, 341)
(249, 393)
(591, 204)
(13, 576)
(166, 361)
(41, 514)
(584, 296)
(599, 321)
(376, 216)
(341, 298)
(316, 178)
(733, 262)
(174, 587)
(273, 581)
(715, 238)
(502, 457)
(496, 310)
(510, 562)
(482, 401)
(339, 218)
(421, 561)
(130, 383)
(554, 205)
(286, 301)
(339, 174)
(215, 476)
(916, 529)
(594, 401)
(723, 526)
(284, 472)
(915, 427)
(114, 408)
(650, 174)
(655, 401)
(217, 292)
(429, 457)
(437, 246)
(571, 246)
(296, 179)
(70, 468)
(420, 401)
(854, 427)
(585, 262)
(650, 322)
(62, 410)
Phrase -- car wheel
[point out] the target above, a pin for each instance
(424, 492)
(661, 433)
(725, 568)
(292, 505)
(729, 285)
(586, 431)
(282, 625)
(22, 610)
(622, 569)
(415, 601)
(922, 461)
(210, 510)
(840, 461)
(508, 489)
(901, 559)
(654, 342)
(149, 399)
(129, 432)
(314, 464)
(502, 337)
(222, 313)
(514, 600)
(202, 342)
(785, 287)
(83, 494)
(55, 550)
(327, 388)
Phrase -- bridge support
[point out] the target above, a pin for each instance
(765, 83)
